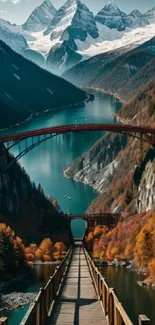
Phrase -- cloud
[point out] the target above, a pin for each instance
(15, 1)
(11, 1)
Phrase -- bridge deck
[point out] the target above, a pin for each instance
(77, 303)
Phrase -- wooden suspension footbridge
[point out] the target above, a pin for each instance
(77, 294)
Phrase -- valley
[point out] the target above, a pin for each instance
(68, 65)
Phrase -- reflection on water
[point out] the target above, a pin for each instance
(135, 299)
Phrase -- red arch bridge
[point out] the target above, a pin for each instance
(143, 133)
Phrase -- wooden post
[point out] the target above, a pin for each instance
(3, 321)
(143, 320)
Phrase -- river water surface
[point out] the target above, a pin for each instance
(45, 163)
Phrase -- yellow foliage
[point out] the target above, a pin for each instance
(128, 251)
(46, 258)
(98, 231)
(39, 254)
(151, 268)
(114, 252)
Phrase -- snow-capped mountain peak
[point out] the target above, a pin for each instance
(136, 19)
(10, 36)
(72, 27)
(112, 17)
(136, 13)
(150, 15)
(111, 9)
(73, 20)
(41, 17)
(63, 18)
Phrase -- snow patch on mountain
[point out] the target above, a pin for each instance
(62, 19)
(135, 37)
(42, 43)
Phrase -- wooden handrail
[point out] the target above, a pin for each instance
(114, 310)
(41, 308)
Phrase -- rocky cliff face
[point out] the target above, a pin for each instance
(112, 17)
(97, 166)
(41, 17)
(146, 189)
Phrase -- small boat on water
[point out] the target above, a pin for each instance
(67, 197)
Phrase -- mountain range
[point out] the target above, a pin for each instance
(74, 31)
(71, 34)
(112, 17)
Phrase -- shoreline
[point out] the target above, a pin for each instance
(106, 92)
(79, 181)
(129, 265)
(32, 116)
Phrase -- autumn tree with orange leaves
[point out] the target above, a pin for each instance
(133, 238)
(12, 252)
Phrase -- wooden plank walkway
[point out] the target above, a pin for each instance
(77, 303)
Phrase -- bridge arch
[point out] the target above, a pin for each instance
(146, 134)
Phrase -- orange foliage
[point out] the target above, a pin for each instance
(59, 250)
(39, 254)
(134, 238)
(12, 251)
(47, 251)
(30, 252)
(151, 267)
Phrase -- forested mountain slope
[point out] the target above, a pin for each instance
(26, 89)
(25, 208)
(122, 74)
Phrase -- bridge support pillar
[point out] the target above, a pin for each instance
(144, 320)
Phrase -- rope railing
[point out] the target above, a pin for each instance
(116, 314)
(42, 307)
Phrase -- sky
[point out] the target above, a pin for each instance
(17, 11)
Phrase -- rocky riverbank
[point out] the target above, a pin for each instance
(97, 166)
(16, 300)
